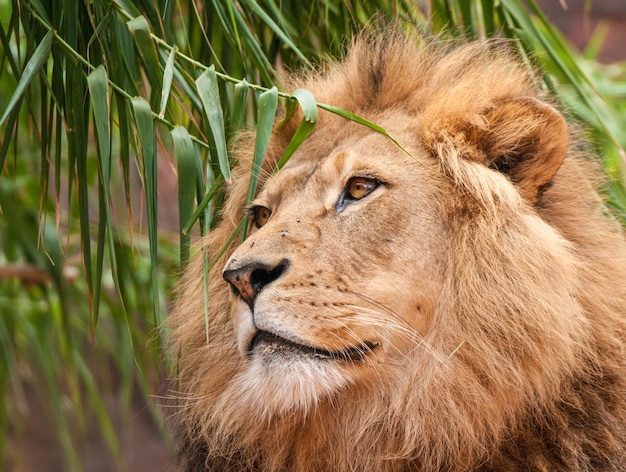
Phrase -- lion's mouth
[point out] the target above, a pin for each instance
(276, 344)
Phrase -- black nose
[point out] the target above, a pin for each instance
(249, 280)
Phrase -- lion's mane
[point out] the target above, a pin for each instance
(529, 329)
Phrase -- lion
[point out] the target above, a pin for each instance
(451, 299)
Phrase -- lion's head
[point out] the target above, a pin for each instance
(450, 303)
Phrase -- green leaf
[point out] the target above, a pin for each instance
(125, 133)
(247, 44)
(187, 157)
(203, 204)
(35, 63)
(208, 90)
(276, 29)
(238, 114)
(238, 229)
(268, 102)
(99, 91)
(6, 140)
(145, 46)
(40, 9)
(373, 126)
(309, 110)
(147, 140)
(77, 100)
(168, 74)
(353, 117)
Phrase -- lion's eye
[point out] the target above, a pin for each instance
(359, 187)
(261, 215)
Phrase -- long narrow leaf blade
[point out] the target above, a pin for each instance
(268, 101)
(240, 103)
(168, 74)
(99, 91)
(373, 126)
(147, 140)
(186, 156)
(35, 63)
(309, 110)
(210, 97)
(77, 139)
(280, 32)
(206, 199)
(145, 45)
(353, 117)
(9, 132)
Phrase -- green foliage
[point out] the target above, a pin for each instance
(100, 98)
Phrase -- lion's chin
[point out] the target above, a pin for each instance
(280, 380)
(281, 376)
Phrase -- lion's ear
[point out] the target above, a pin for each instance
(525, 139)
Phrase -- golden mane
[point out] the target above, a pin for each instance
(522, 364)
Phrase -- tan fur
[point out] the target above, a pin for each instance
(484, 268)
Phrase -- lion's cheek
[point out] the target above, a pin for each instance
(414, 308)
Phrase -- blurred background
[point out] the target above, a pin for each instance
(115, 120)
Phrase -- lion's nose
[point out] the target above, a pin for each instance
(249, 279)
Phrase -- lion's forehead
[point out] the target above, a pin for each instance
(326, 171)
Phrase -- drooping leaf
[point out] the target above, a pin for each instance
(168, 75)
(239, 110)
(186, 158)
(147, 140)
(208, 90)
(145, 46)
(33, 66)
(208, 196)
(305, 128)
(6, 139)
(276, 29)
(268, 102)
(99, 93)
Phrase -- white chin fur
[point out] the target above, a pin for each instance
(277, 386)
